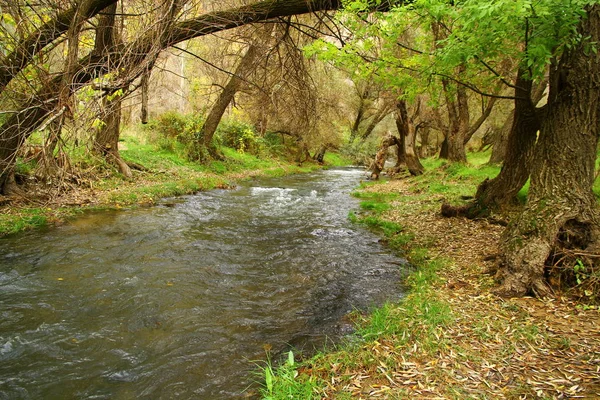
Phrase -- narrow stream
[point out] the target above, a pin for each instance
(180, 300)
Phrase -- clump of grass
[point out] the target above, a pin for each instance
(285, 382)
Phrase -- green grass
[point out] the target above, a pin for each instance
(284, 382)
(28, 219)
(336, 160)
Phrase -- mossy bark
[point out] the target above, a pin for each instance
(562, 173)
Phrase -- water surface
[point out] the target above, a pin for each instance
(179, 300)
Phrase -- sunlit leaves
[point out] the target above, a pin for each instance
(482, 39)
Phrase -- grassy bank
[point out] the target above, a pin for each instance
(165, 172)
(450, 337)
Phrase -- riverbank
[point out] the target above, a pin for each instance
(451, 337)
(92, 185)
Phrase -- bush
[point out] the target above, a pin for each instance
(171, 128)
(274, 143)
(240, 136)
(171, 124)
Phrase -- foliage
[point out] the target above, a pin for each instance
(171, 128)
(239, 135)
(285, 383)
(360, 151)
(400, 50)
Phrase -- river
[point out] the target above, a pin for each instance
(180, 300)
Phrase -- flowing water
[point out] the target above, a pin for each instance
(179, 300)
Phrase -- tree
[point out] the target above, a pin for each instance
(561, 210)
(26, 49)
(138, 54)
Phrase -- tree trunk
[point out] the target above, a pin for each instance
(213, 119)
(484, 115)
(560, 196)
(106, 141)
(359, 117)
(375, 120)
(456, 142)
(107, 136)
(520, 146)
(320, 155)
(381, 155)
(500, 142)
(453, 147)
(145, 88)
(425, 133)
(408, 133)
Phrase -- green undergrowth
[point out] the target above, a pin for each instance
(455, 181)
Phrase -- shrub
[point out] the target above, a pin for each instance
(239, 135)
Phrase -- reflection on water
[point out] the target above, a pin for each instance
(180, 301)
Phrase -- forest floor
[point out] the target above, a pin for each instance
(451, 337)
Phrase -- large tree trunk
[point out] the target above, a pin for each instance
(453, 147)
(521, 141)
(560, 196)
(500, 142)
(106, 141)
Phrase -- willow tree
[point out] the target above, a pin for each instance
(554, 146)
(562, 211)
(138, 52)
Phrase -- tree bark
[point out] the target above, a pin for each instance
(500, 142)
(106, 141)
(560, 195)
(381, 156)
(213, 119)
(408, 133)
(503, 188)
(145, 88)
(453, 147)
(375, 120)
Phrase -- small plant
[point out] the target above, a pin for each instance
(284, 383)
(580, 272)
